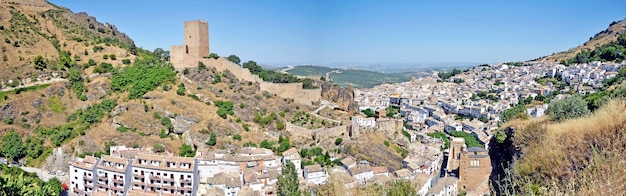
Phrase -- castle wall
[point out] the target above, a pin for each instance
(176, 56)
(317, 134)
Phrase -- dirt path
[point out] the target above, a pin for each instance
(53, 80)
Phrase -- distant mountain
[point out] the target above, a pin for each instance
(356, 77)
(603, 37)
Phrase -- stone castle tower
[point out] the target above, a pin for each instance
(196, 45)
(197, 38)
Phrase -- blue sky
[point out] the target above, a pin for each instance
(369, 32)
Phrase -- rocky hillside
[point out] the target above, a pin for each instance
(72, 86)
(32, 28)
(608, 35)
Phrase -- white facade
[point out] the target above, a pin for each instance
(315, 174)
(113, 175)
(162, 174)
(82, 174)
(364, 122)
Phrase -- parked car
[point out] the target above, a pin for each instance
(3, 160)
(52, 172)
(60, 173)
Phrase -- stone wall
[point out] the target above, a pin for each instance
(176, 56)
(317, 134)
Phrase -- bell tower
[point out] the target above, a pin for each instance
(197, 38)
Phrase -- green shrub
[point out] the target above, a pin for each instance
(212, 139)
(568, 108)
(158, 148)
(181, 89)
(237, 137)
(186, 151)
(338, 141)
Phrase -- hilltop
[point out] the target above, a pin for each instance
(606, 36)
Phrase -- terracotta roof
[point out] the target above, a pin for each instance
(380, 170)
(229, 179)
(313, 168)
(359, 169)
(443, 183)
(108, 163)
(403, 173)
(163, 160)
(347, 161)
(87, 163)
(290, 151)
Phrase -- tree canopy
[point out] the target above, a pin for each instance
(12, 146)
(568, 108)
(288, 181)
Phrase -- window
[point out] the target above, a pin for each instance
(475, 162)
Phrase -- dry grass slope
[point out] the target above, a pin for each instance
(581, 156)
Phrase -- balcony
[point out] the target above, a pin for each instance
(103, 182)
(103, 177)
(185, 188)
(104, 186)
(89, 178)
(167, 179)
(138, 176)
(168, 186)
(118, 188)
(154, 177)
(78, 191)
(153, 185)
(88, 185)
(118, 181)
(186, 180)
(139, 183)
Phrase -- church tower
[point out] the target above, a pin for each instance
(197, 38)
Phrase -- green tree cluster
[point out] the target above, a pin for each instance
(145, 74)
(40, 63)
(22, 183)
(224, 108)
(12, 146)
(368, 112)
(571, 107)
(212, 139)
(445, 75)
(103, 68)
(288, 184)
(234, 58)
(612, 51)
(181, 89)
(264, 120)
(470, 140)
(276, 77)
(186, 151)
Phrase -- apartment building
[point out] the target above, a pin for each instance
(82, 173)
(113, 175)
(164, 175)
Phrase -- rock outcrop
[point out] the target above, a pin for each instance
(342, 96)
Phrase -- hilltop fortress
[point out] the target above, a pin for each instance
(196, 47)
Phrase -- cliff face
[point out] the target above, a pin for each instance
(343, 97)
